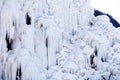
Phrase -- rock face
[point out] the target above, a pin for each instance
(57, 40)
(112, 20)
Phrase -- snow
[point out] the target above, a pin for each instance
(63, 41)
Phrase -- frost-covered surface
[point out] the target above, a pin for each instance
(57, 40)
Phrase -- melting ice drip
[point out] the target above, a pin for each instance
(56, 40)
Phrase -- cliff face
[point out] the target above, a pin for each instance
(57, 40)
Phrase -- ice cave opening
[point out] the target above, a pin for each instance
(28, 19)
(18, 74)
(8, 42)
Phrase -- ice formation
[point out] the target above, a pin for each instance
(57, 40)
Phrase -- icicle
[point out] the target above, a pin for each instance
(43, 48)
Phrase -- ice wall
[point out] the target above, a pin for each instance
(56, 40)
